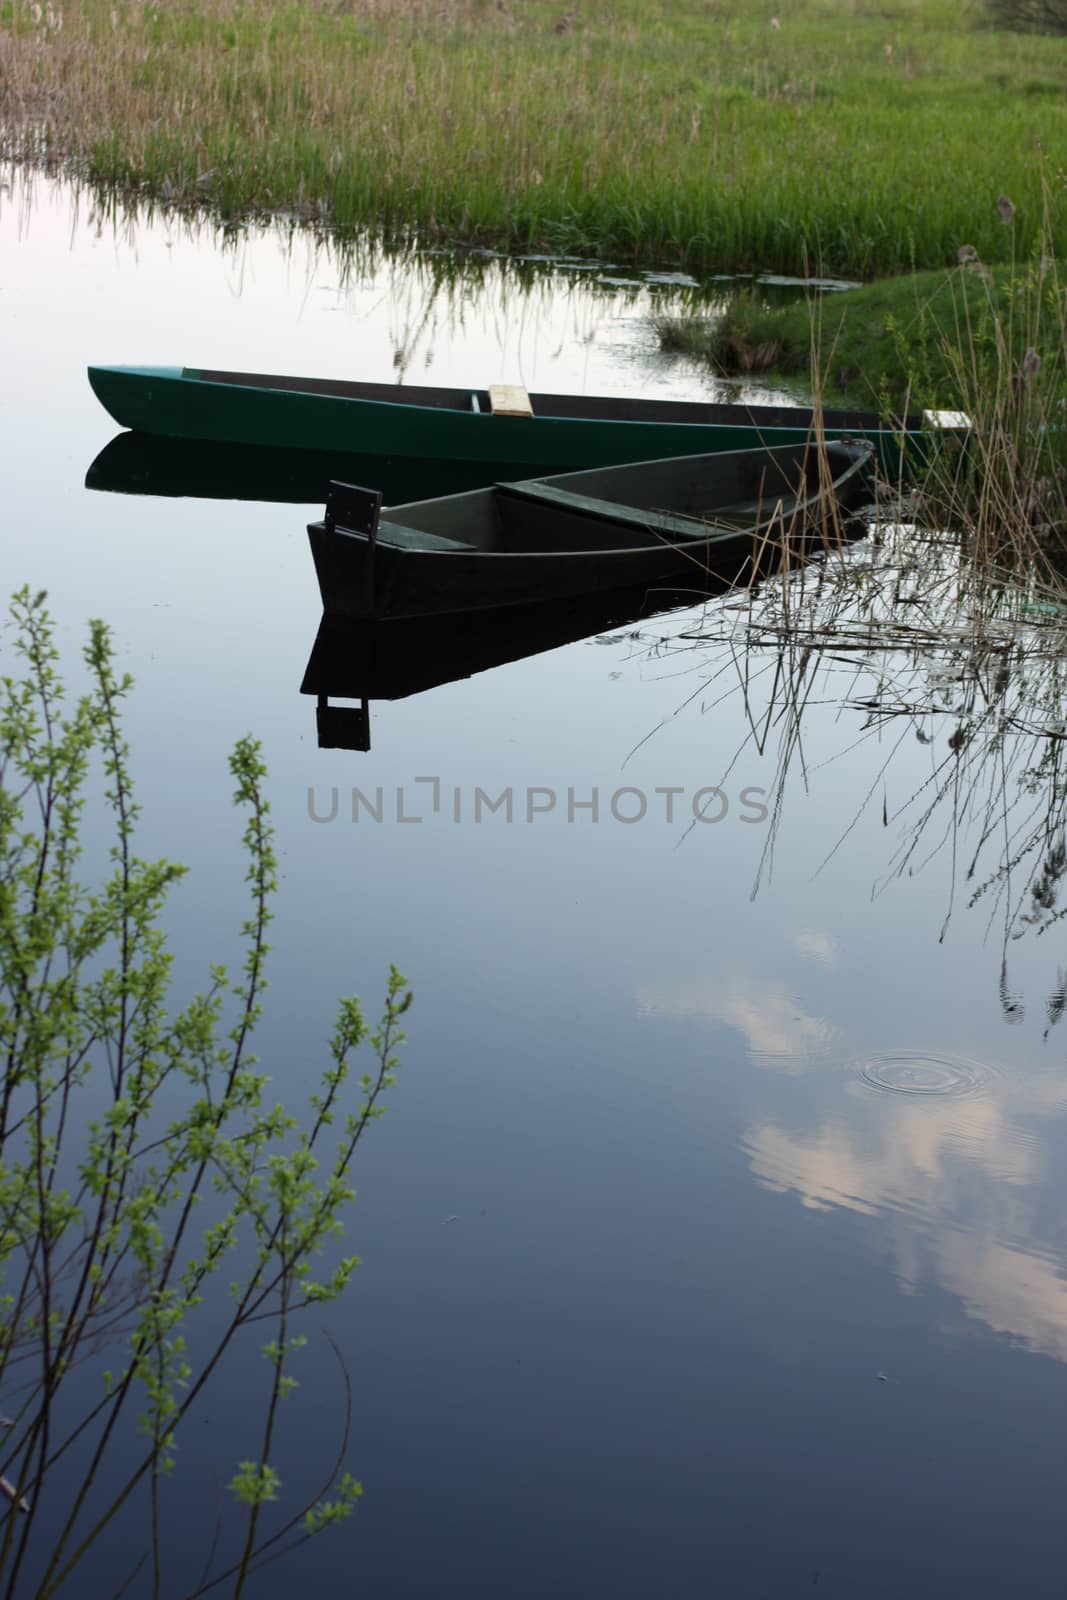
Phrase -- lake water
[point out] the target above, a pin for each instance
(715, 1242)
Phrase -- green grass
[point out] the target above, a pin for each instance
(867, 141)
(897, 342)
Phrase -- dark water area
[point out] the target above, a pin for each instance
(714, 1243)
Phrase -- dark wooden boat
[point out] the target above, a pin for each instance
(502, 434)
(677, 522)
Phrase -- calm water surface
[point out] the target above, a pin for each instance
(714, 1243)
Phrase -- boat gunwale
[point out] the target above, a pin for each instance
(599, 511)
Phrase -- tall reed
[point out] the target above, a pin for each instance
(1007, 358)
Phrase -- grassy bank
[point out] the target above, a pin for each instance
(988, 342)
(916, 340)
(702, 131)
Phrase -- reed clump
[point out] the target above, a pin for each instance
(986, 344)
(678, 131)
(1006, 355)
(946, 621)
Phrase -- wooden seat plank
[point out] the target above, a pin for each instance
(509, 400)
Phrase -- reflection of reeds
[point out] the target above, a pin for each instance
(948, 625)
(899, 632)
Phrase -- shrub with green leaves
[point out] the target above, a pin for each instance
(157, 1210)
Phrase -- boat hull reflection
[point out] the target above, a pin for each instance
(137, 463)
(375, 660)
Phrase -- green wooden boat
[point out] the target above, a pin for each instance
(540, 432)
